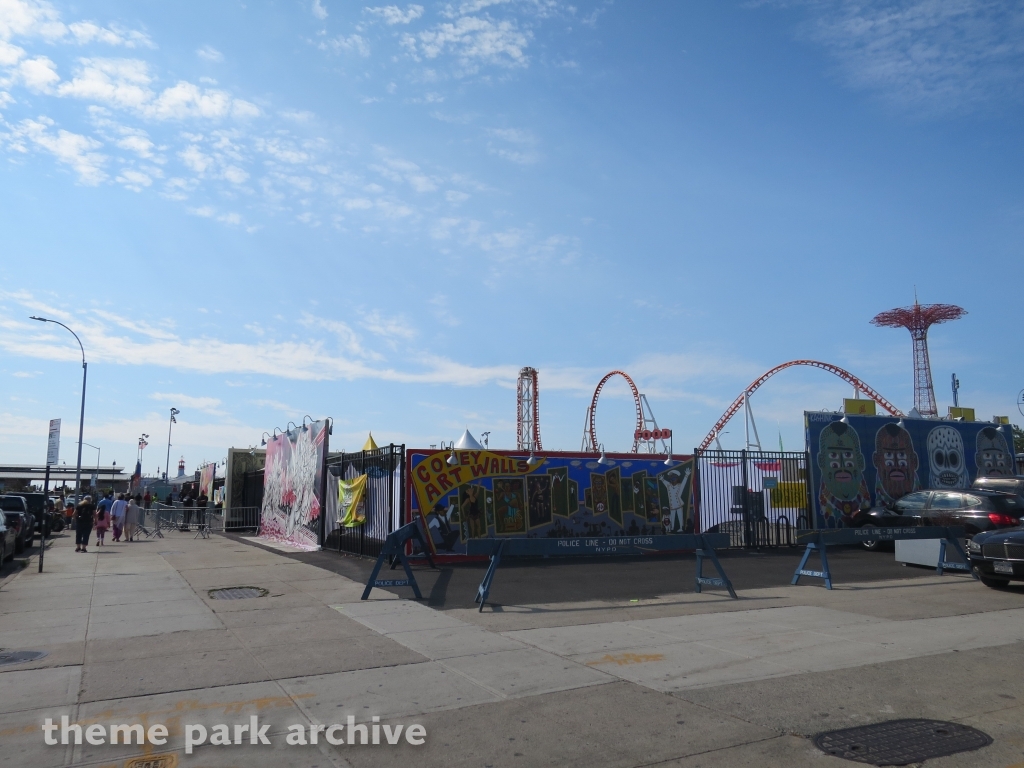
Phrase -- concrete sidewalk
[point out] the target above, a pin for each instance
(133, 635)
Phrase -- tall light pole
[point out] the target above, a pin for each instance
(81, 416)
(97, 462)
(167, 469)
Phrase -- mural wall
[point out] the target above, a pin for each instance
(292, 487)
(562, 495)
(876, 459)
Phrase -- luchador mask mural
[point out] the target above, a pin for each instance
(993, 457)
(946, 459)
(896, 463)
(843, 488)
(840, 460)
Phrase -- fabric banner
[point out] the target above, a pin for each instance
(206, 475)
(352, 502)
(291, 487)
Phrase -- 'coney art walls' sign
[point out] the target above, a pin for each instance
(292, 486)
(877, 459)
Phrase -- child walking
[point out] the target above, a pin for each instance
(102, 523)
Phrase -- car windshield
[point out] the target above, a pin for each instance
(12, 505)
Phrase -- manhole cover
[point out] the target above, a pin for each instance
(20, 657)
(900, 742)
(237, 593)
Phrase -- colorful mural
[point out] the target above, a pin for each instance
(905, 456)
(292, 487)
(562, 495)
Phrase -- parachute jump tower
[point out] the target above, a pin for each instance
(918, 319)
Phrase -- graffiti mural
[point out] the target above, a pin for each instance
(563, 495)
(293, 487)
(905, 455)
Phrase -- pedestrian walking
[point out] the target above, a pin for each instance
(83, 523)
(131, 517)
(147, 500)
(117, 512)
(187, 503)
(101, 523)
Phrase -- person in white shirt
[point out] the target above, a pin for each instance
(117, 513)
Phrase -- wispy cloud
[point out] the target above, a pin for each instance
(209, 405)
(927, 55)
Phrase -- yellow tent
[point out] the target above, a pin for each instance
(369, 445)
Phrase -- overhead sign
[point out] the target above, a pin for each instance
(53, 443)
(859, 407)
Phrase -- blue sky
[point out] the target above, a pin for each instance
(259, 211)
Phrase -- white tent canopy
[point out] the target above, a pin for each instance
(468, 443)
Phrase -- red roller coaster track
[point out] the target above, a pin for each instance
(593, 409)
(834, 369)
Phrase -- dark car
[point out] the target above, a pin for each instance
(976, 510)
(998, 556)
(1011, 485)
(7, 540)
(15, 509)
(879, 517)
(38, 507)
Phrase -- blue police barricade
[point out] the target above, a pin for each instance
(819, 541)
(394, 550)
(703, 544)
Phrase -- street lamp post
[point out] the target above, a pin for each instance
(81, 416)
(167, 468)
(97, 461)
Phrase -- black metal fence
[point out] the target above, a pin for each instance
(385, 499)
(759, 498)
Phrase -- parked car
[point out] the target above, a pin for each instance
(38, 507)
(998, 556)
(976, 510)
(878, 517)
(1011, 485)
(15, 509)
(7, 540)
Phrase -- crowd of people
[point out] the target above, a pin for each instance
(122, 516)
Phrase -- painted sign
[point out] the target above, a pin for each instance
(53, 443)
(560, 495)
(206, 475)
(875, 460)
(859, 407)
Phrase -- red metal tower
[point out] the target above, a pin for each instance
(918, 319)
(527, 411)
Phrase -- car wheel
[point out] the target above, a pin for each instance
(994, 583)
(872, 545)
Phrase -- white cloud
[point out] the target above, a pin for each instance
(209, 405)
(134, 180)
(121, 83)
(195, 159)
(319, 11)
(388, 327)
(352, 44)
(184, 100)
(138, 143)
(392, 14)
(30, 18)
(72, 149)
(38, 74)
(86, 32)
(235, 175)
(473, 39)
(209, 53)
(523, 145)
(310, 359)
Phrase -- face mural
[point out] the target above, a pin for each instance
(896, 463)
(946, 459)
(843, 488)
(993, 457)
